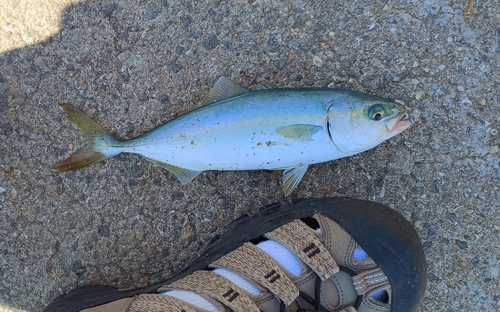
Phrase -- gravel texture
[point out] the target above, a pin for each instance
(135, 64)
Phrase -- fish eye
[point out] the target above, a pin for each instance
(376, 112)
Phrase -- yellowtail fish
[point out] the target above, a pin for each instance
(235, 129)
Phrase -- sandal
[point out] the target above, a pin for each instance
(332, 254)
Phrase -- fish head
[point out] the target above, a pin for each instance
(366, 121)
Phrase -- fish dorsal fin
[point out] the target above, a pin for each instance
(292, 177)
(184, 175)
(264, 85)
(299, 132)
(222, 90)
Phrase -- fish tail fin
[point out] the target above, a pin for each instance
(78, 160)
(101, 145)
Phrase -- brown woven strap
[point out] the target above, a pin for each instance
(214, 286)
(369, 280)
(250, 261)
(299, 238)
(158, 303)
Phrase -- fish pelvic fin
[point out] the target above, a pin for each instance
(100, 146)
(292, 177)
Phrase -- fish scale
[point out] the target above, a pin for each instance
(243, 140)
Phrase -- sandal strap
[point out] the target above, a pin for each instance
(248, 260)
(368, 280)
(214, 286)
(300, 240)
(156, 303)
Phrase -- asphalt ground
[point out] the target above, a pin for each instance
(133, 65)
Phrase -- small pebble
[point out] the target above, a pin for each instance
(382, 192)
(460, 88)
(441, 67)
(253, 184)
(461, 244)
(2, 190)
(317, 61)
(493, 131)
(466, 101)
(432, 277)
(70, 146)
(211, 42)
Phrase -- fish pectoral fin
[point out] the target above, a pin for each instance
(299, 132)
(292, 177)
(265, 85)
(222, 90)
(184, 175)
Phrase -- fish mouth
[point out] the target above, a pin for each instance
(398, 123)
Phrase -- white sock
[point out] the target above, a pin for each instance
(238, 281)
(203, 303)
(359, 254)
(192, 298)
(281, 255)
(275, 250)
(380, 295)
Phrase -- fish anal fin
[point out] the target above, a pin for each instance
(299, 132)
(265, 85)
(292, 177)
(223, 89)
(183, 174)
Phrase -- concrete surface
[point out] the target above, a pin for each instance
(134, 65)
(29, 21)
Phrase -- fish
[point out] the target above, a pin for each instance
(269, 128)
